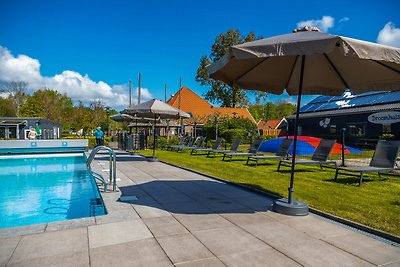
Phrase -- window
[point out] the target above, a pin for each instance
(356, 129)
(332, 129)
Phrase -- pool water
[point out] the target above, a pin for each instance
(46, 188)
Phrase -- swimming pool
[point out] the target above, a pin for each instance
(41, 188)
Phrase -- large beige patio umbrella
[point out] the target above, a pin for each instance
(158, 110)
(308, 62)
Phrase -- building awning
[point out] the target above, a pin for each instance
(13, 122)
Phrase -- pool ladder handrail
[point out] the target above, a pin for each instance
(112, 161)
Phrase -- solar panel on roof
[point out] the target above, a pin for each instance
(389, 97)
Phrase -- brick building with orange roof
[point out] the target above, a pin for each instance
(272, 127)
(202, 111)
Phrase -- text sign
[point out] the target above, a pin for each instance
(387, 117)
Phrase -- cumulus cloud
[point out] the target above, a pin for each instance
(389, 35)
(324, 24)
(73, 84)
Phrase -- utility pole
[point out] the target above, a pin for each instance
(139, 88)
(165, 93)
(130, 93)
(179, 105)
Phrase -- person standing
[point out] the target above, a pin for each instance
(99, 134)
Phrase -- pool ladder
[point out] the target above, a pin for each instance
(113, 166)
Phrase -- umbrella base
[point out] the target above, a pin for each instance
(153, 159)
(297, 208)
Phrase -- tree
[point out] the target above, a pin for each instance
(16, 91)
(270, 110)
(7, 108)
(219, 92)
(49, 104)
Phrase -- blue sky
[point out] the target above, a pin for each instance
(90, 49)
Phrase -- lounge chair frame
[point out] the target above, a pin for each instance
(383, 160)
(320, 156)
(253, 151)
(282, 153)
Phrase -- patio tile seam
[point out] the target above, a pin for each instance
(195, 237)
(88, 245)
(348, 252)
(198, 260)
(158, 243)
(9, 259)
(270, 245)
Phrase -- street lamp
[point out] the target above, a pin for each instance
(107, 108)
(234, 119)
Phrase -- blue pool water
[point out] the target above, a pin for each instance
(46, 188)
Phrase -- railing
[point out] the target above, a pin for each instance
(112, 161)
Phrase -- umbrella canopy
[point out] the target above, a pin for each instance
(309, 62)
(158, 108)
(306, 145)
(331, 65)
(121, 117)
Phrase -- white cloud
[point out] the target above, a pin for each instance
(389, 35)
(344, 19)
(323, 24)
(73, 84)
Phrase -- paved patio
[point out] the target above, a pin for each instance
(186, 219)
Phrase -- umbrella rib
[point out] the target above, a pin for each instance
(386, 66)
(291, 71)
(336, 70)
(252, 68)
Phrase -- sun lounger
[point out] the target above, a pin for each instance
(383, 160)
(188, 141)
(190, 144)
(282, 153)
(234, 147)
(180, 143)
(320, 156)
(253, 150)
(198, 143)
(202, 149)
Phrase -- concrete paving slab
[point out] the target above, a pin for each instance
(52, 246)
(373, 251)
(69, 224)
(183, 248)
(76, 259)
(246, 218)
(170, 198)
(144, 253)
(263, 258)
(188, 207)
(229, 241)
(223, 206)
(23, 230)
(302, 248)
(196, 222)
(257, 203)
(149, 209)
(118, 215)
(315, 226)
(7, 247)
(214, 262)
(162, 226)
(116, 233)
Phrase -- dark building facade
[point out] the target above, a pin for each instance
(18, 128)
(363, 118)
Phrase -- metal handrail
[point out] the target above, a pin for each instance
(113, 164)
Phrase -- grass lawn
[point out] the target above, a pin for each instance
(376, 203)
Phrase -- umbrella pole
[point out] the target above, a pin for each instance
(154, 135)
(289, 206)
